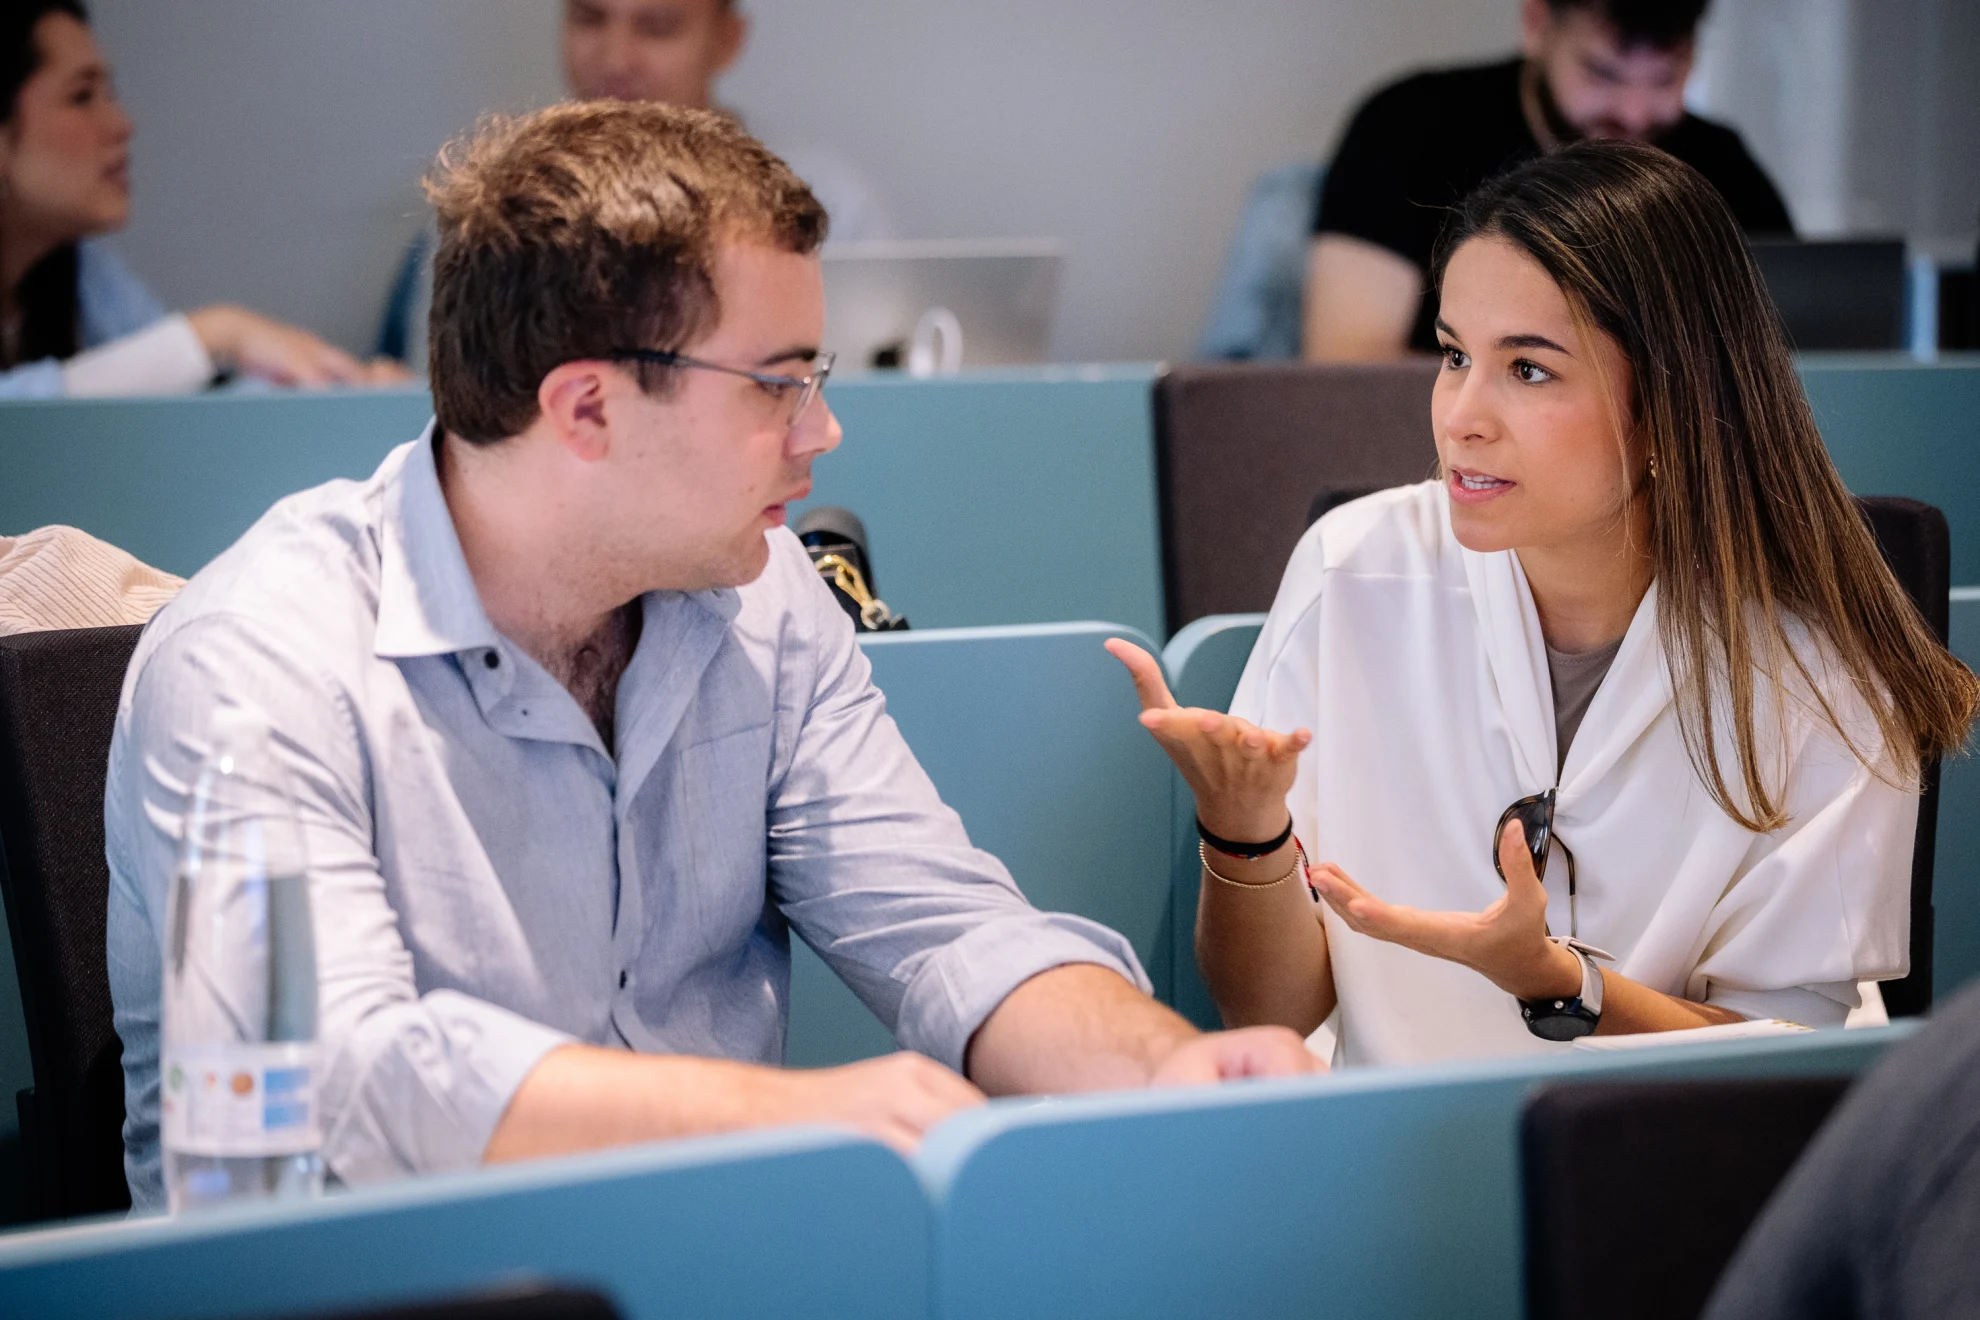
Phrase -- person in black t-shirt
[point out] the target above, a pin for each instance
(1588, 68)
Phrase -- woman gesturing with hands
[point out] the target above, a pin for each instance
(1617, 724)
(1255, 910)
(1259, 944)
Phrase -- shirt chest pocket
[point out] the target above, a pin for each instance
(706, 889)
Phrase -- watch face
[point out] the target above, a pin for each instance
(1559, 1019)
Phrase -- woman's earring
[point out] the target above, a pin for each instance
(1653, 465)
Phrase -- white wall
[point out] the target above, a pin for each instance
(279, 139)
(1866, 111)
(280, 142)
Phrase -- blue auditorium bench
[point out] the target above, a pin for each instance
(1013, 496)
(1030, 735)
(1375, 1193)
(1018, 496)
(767, 1224)
(1895, 426)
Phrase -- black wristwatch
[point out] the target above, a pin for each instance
(1577, 1015)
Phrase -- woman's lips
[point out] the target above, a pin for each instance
(1476, 487)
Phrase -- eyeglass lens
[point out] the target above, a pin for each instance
(814, 384)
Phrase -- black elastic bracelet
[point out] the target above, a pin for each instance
(1248, 851)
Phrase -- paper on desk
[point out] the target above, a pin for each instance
(1692, 1035)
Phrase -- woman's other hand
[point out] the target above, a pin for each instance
(1239, 772)
(253, 344)
(1506, 943)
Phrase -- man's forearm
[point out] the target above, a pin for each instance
(1360, 301)
(581, 1097)
(1078, 1027)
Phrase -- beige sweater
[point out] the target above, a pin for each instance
(58, 577)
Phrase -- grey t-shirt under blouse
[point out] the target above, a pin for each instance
(1574, 678)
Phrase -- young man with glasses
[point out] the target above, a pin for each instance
(578, 737)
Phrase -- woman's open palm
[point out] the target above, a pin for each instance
(1239, 772)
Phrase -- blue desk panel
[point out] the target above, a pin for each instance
(772, 1224)
(1369, 1194)
(1030, 735)
(1022, 496)
(1895, 426)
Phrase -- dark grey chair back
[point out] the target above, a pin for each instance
(1917, 545)
(1243, 449)
(58, 702)
(1636, 1194)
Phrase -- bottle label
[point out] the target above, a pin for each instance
(240, 1100)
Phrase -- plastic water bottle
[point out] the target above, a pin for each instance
(237, 1063)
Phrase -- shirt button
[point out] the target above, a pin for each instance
(622, 980)
(492, 660)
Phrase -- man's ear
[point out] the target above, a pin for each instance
(575, 398)
(1536, 22)
(729, 41)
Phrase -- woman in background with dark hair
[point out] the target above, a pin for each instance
(1617, 727)
(73, 319)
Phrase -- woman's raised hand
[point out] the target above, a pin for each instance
(1239, 772)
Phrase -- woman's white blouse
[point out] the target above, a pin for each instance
(1419, 667)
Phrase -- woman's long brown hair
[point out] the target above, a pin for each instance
(1751, 529)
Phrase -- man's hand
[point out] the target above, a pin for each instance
(582, 1097)
(1506, 943)
(1082, 1028)
(1227, 1055)
(896, 1098)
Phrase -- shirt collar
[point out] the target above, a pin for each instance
(427, 603)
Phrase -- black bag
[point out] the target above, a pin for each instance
(836, 541)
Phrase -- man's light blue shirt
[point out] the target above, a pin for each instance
(489, 882)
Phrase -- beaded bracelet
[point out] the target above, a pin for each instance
(1298, 868)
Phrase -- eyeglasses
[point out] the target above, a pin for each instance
(800, 389)
(1536, 817)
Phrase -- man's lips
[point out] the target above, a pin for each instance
(777, 512)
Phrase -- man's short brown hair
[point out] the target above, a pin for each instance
(585, 228)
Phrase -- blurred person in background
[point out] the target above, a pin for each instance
(670, 51)
(1586, 69)
(74, 320)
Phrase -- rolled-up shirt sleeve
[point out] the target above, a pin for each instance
(879, 876)
(409, 1082)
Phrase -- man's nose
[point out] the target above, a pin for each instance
(120, 125)
(817, 431)
(1639, 113)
